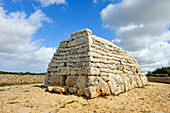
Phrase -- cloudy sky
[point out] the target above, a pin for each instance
(31, 30)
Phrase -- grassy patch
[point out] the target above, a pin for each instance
(71, 102)
(83, 104)
(122, 108)
(63, 106)
(145, 111)
(27, 101)
(26, 91)
(141, 87)
(148, 85)
(74, 107)
(2, 89)
(103, 96)
(2, 85)
(30, 106)
(13, 102)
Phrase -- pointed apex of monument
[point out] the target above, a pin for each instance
(83, 32)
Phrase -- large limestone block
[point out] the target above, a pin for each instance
(92, 92)
(57, 89)
(92, 66)
(71, 80)
(81, 84)
(81, 33)
(144, 79)
(77, 41)
(96, 86)
(65, 71)
(102, 86)
(63, 44)
(72, 89)
(116, 84)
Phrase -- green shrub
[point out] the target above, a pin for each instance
(2, 89)
(159, 72)
(26, 91)
(21, 73)
(160, 75)
(72, 101)
(13, 102)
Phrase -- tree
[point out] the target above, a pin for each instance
(160, 72)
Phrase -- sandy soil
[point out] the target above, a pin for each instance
(154, 98)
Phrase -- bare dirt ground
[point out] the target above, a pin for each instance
(154, 98)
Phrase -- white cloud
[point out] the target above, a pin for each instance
(155, 55)
(37, 18)
(46, 3)
(141, 28)
(95, 1)
(18, 51)
(129, 28)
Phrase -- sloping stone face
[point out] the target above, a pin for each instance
(92, 66)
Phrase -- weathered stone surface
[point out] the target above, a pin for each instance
(50, 88)
(81, 84)
(57, 89)
(92, 66)
(116, 84)
(72, 89)
(62, 80)
(92, 92)
(71, 80)
(60, 89)
(81, 33)
(102, 86)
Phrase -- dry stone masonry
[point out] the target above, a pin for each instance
(92, 66)
(15, 79)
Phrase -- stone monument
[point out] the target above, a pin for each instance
(92, 66)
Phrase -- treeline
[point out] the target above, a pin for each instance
(21, 73)
(160, 72)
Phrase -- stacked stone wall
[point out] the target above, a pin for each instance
(159, 79)
(71, 59)
(92, 66)
(114, 70)
(14, 79)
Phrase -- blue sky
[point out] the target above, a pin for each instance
(66, 18)
(31, 30)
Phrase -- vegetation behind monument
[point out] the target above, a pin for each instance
(160, 72)
(21, 73)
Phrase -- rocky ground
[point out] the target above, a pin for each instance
(34, 99)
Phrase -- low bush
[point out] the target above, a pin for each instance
(160, 75)
(21, 73)
(160, 72)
